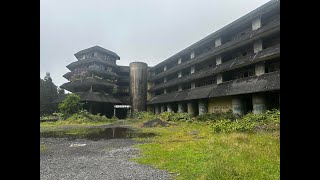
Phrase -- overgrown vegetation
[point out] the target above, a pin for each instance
(193, 151)
(70, 105)
(267, 121)
(83, 117)
(223, 122)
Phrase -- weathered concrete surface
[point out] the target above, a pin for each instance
(85, 159)
(138, 85)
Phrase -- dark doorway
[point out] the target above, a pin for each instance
(121, 113)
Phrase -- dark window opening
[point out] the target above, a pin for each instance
(186, 86)
(239, 73)
(158, 92)
(272, 66)
(271, 41)
(206, 81)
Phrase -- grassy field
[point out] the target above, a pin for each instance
(192, 151)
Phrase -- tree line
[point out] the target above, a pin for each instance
(48, 94)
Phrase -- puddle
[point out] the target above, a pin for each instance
(96, 133)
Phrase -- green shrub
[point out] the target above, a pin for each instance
(172, 116)
(267, 121)
(51, 118)
(83, 117)
(70, 105)
(217, 116)
(144, 115)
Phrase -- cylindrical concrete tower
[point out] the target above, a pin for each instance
(138, 86)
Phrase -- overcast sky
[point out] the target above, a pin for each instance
(137, 30)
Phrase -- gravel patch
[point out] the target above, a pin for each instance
(86, 159)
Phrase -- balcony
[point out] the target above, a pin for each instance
(265, 54)
(253, 84)
(272, 27)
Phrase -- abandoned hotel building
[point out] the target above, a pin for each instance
(235, 68)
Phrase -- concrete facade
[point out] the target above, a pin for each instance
(203, 107)
(259, 103)
(220, 104)
(191, 109)
(237, 105)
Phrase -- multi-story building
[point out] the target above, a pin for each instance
(99, 81)
(235, 68)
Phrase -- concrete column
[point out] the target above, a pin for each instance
(180, 108)
(179, 61)
(193, 69)
(192, 55)
(163, 108)
(259, 103)
(219, 78)
(179, 74)
(259, 68)
(169, 108)
(237, 106)
(257, 46)
(203, 107)
(256, 23)
(165, 68)
(191, 109)
(165, 91)
(156, 109)
(218, 60)
(180, 88)
(149, 108)
(165, 79)
(217, 42)
(193, 85)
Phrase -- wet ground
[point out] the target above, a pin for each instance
(94, 157)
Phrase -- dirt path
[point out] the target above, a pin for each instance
(86, 159)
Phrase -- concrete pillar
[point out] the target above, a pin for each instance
(193, 69)
(203, 107)
(217, 42)
(192, 55)
(237, 106)
(165, 68)
(191, 109)
(157, 109)
(257, 46)
(256, 23)
(193, 85)
(259, 103)
(218, 60)
(180, 88)
(149, 108)
(219, 78)
(165, 91)
(179, 74)
(180, 108)
(169, 108)
(162, 108)
(259, 68)
(165, 79)
(179, 61)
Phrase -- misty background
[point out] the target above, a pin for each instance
(137, 30)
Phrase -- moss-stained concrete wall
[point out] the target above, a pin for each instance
(223, 104)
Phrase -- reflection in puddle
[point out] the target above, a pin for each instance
(96, 133)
